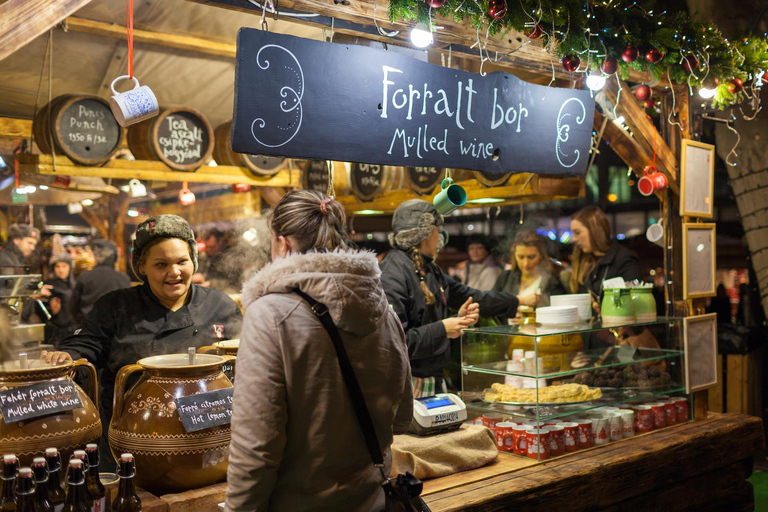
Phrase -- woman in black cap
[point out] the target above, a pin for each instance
(165, 315)
(423, 296)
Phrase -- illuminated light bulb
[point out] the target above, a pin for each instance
(421, 36)
(706, 93)
(595, 81)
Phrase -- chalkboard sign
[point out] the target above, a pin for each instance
(423, 180)
(183, 138)
(300, 98)
(489, 179)
(367, 180)
(228, 369)
(205, 410)
(316, 176)
(40, 399)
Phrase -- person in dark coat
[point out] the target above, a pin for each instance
(165, 315)
(62, 285)
(423, 296)
(721, 304)
(97, 282)
(22, 240)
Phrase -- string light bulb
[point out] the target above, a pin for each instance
(706, 93)
(595, 80)
(421, 35)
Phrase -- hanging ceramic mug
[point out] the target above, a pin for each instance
(135, 105)
(653, 181)
(655, 234)
(450, 198)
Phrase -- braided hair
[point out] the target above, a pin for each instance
(418, 262)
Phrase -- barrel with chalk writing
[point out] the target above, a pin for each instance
(257, 166)
(181, 138)
(80, 127)
(314, 176)
(490, 179)
(369, 180)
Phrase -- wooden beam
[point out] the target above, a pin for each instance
(11, 128)
(151, 170)
(224, 207)
(21, 21)
(356, 19)
(175, 41)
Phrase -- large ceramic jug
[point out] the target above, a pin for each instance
(645, 304)
(68, 430)
(617, 307)
(146, 424)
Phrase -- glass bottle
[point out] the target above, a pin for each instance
(127, 500)
(55, 492)
(95, 487)
(42, 500)
(7, 498)
(81, 455)
(25, 491)
(77, 493)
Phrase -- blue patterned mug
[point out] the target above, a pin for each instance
(135, 105)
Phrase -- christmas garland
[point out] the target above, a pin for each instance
(616, 36)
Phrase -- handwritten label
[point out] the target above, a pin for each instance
(183, 138)
(205, 410)
(40, 399)
(387, 108)
(424, 179)
(88, 129)
(316, 176)
(366, 180)
(228, 369)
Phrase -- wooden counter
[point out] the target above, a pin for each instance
(700, 466)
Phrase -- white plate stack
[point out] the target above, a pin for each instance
(581, 300)
(557, 315)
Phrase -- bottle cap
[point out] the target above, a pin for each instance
(9, 459)
(126, 457)
(75, 463)
(51, 452)
(25, 473)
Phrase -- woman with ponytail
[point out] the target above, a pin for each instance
(423, 296)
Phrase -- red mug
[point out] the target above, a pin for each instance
(653, 181)
(504, 437)
(585, 433)
(557, 444)
(683, 413)
(571, 436)
(488, 420)
(659, 415)
(670, 412)
(538, 444)
(644, 419)
(519, 445)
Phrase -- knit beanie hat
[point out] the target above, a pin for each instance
(162, 226)
(17, 231)
(413, 221)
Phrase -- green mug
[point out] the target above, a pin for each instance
(617, 307)
(450, 198)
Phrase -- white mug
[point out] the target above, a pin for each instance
(655, 233)
(135, 105)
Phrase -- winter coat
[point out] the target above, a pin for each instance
(129, 324)
(429, 349)
(93, 284)
(61, 324)
(296, 443)
(509, 281)
(11, 256)
(617, 262)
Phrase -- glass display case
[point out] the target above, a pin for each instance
(547, 390)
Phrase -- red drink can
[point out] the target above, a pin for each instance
(519, 444)
(644, 419)
(659, 415)
(504, 437)
(670, 412)
(557, 444)
(585, 433)
(571, 436)
(683, 412)
(538, 444)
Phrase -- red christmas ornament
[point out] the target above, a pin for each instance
(534, 32)
(765, 76)
(571, 63)
(690, 62)
(497, 9)
(653, 55)
(649, 103)
(735, 85)
(435, 4)
(610, 66)
(630, 53)
(643, 92)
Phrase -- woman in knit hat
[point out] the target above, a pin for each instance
(165, 315)
(423, 296)
(62, 283)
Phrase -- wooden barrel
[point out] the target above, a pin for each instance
(423, 180)
(181, 138)
(258, 166)
(369, 180)
(81, 127)
(489, 179)
(314, 176)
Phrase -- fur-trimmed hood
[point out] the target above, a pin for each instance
(346, 281)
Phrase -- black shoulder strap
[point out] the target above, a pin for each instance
(353, 387)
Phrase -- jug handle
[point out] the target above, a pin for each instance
(93, 385)
(122, 377)
(206, 349)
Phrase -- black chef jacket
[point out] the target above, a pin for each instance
(129, 324)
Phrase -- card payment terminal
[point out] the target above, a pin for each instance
(437, 414)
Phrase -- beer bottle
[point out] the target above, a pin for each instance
(25, 491)
(42, 500)
(127, 500)
(55, 492)
(77, 493)
(95, 487)
(7, 498)
(81, 455)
